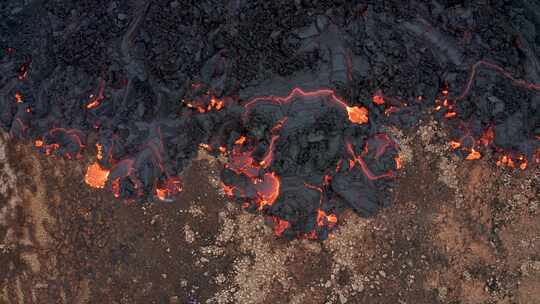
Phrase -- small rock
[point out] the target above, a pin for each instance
(122, 16)
(443, 291)
(342, 299)
(322, 22)
(16, 10)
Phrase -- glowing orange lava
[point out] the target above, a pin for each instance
(367, 172)
(214, 104)
(473, 155)
(115, 185)
(96, 176)
(397, 159)
(267, 189)
(325, 220)
(506, 160)
(18, 97)
(455, 144)
(172, 186)
(279, 225)
(358, 115)
(241, 140)
(487, 136)
(450, 114)
(378, 99)
(95, 100)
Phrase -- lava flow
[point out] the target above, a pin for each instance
(96, 176)
(291, 171)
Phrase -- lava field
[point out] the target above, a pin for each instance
(295, 95)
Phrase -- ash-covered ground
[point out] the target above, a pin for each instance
(454, 83)
(458, 232)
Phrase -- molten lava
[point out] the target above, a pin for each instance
(455, 144)
(18, 97)
(171, 187)
(473, 155)
(378, 99)
(267, 189)
(214, 104)
(325, 220)
(365, 169)
(241, 140)
(96, 176)
(95, 100)
(357, 115)
(279, 225)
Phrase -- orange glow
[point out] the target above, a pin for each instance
(325, 220)
(214, 104)
(95, 100)
(450, 114)
(367, 172)
(398, 162)
(268, 158)
(523, 164)
(339, 164)
(51, 148)
(227, 190)
(206, 147)
(161, 193)
(222, 149)
(358, 115)
(267, 189)
(23, 71)
(378, 99)
(506, 160)
(96, 176)
(351, 164)
(487, 136)
(241, 140)
(455, 144)
(172, 186)
(280, 225)
(116, 187)
(437, 108)
(93, 104)
(473, 155)
(38, 143)
(18, 97)
(327, 179)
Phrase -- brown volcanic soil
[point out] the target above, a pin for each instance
(458, 232)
